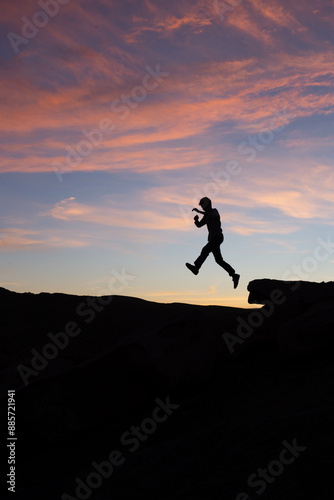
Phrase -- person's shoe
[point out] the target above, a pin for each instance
(192, 268)
(235, 279)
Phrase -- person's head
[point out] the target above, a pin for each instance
(205, 203)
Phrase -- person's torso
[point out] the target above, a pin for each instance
(213, 223)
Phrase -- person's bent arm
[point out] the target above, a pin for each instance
(199, 223)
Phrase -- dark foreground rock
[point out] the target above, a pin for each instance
(170, 401)
(300, 314)
(296, 292)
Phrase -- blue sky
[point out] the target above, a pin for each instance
(119, 115)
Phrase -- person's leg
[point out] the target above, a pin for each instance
(221, 262)
(204, 254)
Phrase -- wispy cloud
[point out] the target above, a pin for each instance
(73, 89)
(114, 216)
(13, 238)
(17, 239)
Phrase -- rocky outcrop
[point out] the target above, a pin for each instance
(306, 292)
(302, 312)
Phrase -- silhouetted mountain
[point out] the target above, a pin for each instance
(195, 399)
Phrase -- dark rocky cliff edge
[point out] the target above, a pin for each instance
(121, 398)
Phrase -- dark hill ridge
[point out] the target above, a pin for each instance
(27, 320)
(242, 381)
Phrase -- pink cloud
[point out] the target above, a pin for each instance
(277, 13)
(141, 219)
(167, 19)
(14, 238)
(187, 105)
(18, 239)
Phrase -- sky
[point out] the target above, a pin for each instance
(117, 116)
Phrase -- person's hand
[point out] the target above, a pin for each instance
(196, 217)
(195, 210)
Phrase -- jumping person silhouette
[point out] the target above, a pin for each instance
(215, 239)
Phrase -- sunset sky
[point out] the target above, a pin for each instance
(119, 115)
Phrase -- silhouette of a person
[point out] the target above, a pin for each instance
(215, 239)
